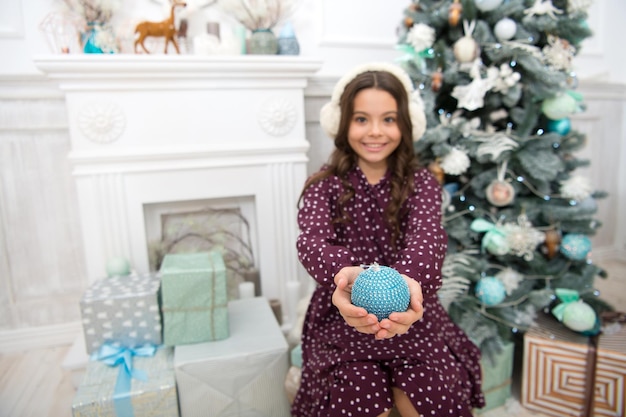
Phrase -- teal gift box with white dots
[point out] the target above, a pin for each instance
(194, 296)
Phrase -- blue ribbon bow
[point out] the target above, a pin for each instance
(123, 357)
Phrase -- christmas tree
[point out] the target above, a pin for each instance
(499, 90)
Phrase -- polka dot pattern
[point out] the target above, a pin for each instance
(347, 373)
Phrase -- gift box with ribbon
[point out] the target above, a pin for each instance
(123, 310)
(496, 375)
(128, 382)
(566, 373)
(194, 295)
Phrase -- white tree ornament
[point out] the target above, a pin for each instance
(559, 53)
(510, 278)
(541, 7)
(455, 162)
(504, 78)
(522, 238)
(421, 36)
(494, 145)
(576, 188)
(472, 96)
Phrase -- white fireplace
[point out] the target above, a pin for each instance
(156, 129)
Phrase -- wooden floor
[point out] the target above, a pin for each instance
(33, 383)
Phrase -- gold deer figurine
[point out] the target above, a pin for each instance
(165, 29)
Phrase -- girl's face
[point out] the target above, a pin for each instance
(374, 133)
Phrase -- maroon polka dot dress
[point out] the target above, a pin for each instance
(347, 373)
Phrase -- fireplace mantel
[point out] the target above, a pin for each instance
(149, 129)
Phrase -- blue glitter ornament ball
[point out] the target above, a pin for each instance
(381, 291)
(575, 246)
(490, 291)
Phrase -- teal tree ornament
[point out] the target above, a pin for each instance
(494, 240)
(574, 312)
(560, 126)
(562, 105)
(576, 246)
(490, 291)
(381, 290)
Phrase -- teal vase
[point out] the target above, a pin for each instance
(263, 42)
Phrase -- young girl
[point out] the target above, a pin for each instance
(372, 203)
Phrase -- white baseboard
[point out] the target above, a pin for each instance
(39, 337)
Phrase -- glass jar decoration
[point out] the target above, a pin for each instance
(263, 42)
(61, 32)
(287, 41)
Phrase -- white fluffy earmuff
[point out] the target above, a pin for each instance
(330, 114)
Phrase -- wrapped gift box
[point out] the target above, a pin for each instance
(156, 396)
(497, 377)
(240, 376)
(194, 298)
(122, 310)
(296, 356)
(610, 374)
(560, 365)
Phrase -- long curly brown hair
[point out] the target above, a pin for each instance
(401, 164)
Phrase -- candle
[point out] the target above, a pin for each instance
(252, 275)
(246, 290)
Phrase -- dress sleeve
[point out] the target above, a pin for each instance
(424, 241)
(317, 246)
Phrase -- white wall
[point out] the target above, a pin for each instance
(341, 33)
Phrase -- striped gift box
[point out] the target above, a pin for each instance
(561, 366)
(611, 374)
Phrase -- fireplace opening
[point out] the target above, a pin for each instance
(225, 224)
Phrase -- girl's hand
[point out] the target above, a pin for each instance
(356, 317)
(399, 323)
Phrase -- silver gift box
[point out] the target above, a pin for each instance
(155, 397)
(122, 310)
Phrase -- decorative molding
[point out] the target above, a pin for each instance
(116, 239)
(107, 72)
(277, 116)
(101, 122)
(28, 87)
(39, 337)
